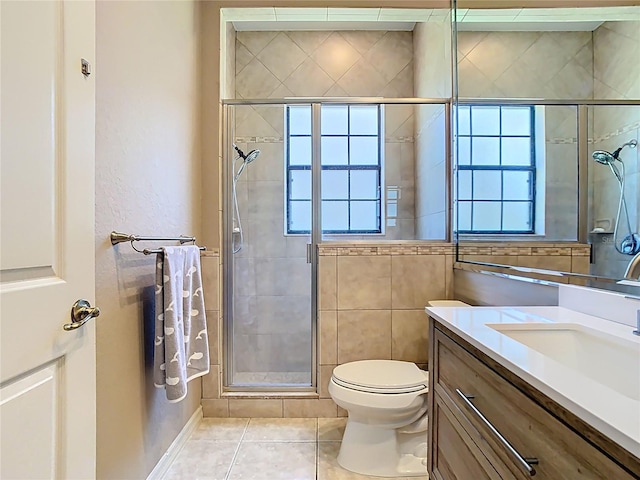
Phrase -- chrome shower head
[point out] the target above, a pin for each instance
(606, 158)
(251, 156)
(246, 160)
(603, 157)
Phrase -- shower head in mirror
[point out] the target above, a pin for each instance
(603, 157)
(606, 158)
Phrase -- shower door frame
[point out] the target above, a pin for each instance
(227, 242)
(316, 216)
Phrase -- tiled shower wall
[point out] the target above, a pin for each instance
(272, 279)
(330, 64)
(549, 65)
(615, 78)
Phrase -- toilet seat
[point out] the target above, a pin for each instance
(381, 376)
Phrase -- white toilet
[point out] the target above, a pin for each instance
(386, 432)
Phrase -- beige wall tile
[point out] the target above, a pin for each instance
(210, 267)
(410, 336)
(364, 282)
(416, 280)
(211, 383)
(213, 331)
(215, 408)
(308, 408)
(328, 283)
(324, 376)
(560, 263)
(448, 275)
(580, 264)
(342, 412)
(364, 335)
(258, 408)
(328, 348)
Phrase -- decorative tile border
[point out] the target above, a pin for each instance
(399, 139)
(387, 249)
(600, 138)
(519, 250)
(259, 140)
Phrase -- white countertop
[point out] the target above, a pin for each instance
(615, 415)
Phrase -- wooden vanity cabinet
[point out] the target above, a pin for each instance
(487, 423)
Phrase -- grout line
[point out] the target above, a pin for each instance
(235, 454)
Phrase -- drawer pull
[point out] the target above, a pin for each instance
(524, 462)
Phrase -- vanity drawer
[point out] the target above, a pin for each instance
(533, 432)
(457, 456)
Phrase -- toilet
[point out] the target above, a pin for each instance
(386, 432)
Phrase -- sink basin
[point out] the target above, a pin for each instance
(606, 359)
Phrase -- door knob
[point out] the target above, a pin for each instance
(81, 313)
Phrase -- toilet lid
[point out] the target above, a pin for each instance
(384, 376)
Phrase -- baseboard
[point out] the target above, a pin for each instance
(174, 449)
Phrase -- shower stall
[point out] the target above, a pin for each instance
(299, 172)
(269, 273)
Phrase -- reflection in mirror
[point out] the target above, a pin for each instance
(546, 98)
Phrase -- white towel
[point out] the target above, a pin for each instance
(181, 346)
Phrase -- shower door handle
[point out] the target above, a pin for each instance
(309, 252)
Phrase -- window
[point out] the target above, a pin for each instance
(496, 169)
(351, 169)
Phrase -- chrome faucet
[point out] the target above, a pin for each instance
(633, 269)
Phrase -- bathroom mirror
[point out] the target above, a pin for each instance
(547, 117)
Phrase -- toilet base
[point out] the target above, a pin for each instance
(376, 451)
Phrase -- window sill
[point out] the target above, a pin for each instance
(532, 237)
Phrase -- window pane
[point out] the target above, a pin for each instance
(517, 186)
(335, 216)
(485, 151)
(485, 120)
(335, 184)
(364, 216)
(464, 185)
(517, 216)
(486, 215)
(300, 120)
(364, 150)
(300, 150)
(300, 185)
(464, 215)
(334, 120)
(464, 120)
(364, 120)
(335, 151)
(516, 120)
(364, 184)
(464, 151)
(300, 216)
(487, 185)
(516, 151)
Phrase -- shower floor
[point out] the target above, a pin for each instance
(272, 378)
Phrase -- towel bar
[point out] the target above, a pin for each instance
(117, 237)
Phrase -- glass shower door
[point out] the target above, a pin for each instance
(269, 297)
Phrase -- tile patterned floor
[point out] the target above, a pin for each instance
(264, 449)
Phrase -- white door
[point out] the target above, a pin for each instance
(47, 374)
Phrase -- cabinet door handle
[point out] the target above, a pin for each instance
(525, 463)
